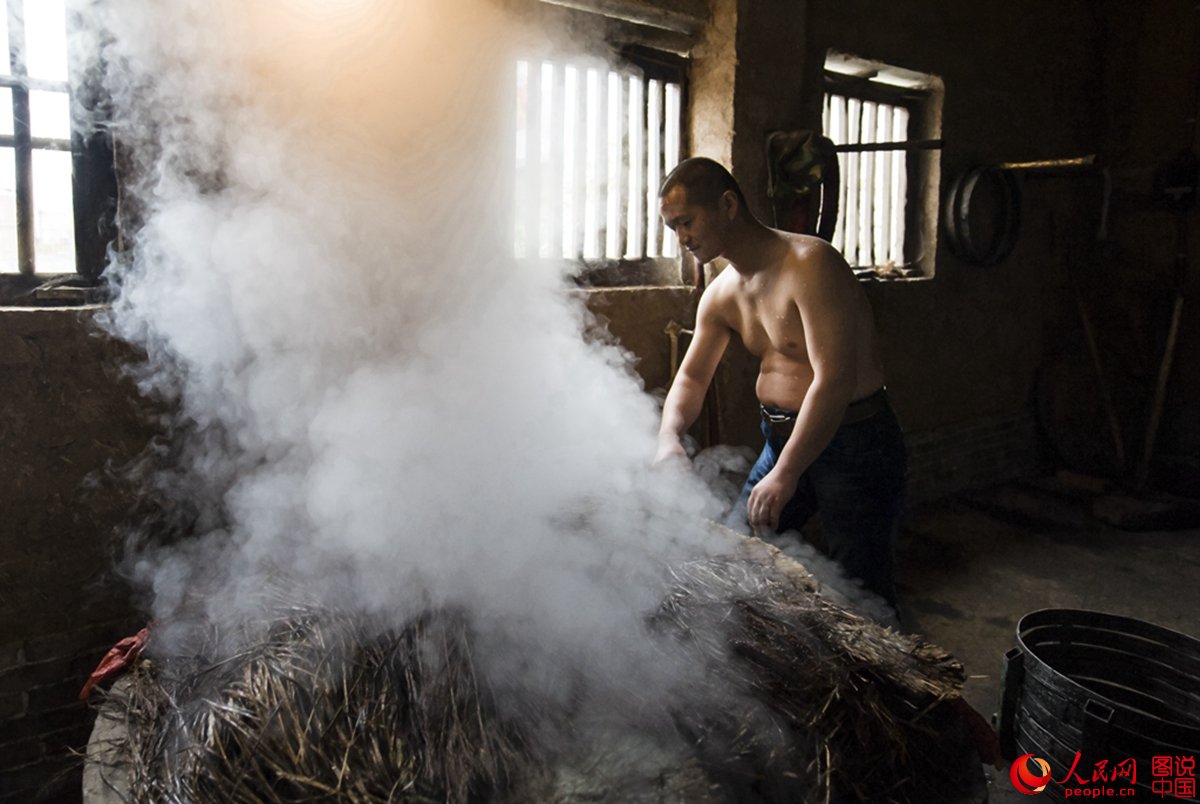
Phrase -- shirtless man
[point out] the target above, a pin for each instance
(832, 441)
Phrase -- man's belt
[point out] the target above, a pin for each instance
(780, 422)
(862, 409)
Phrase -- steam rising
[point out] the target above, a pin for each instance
(385, 410)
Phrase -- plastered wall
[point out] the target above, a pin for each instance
(1150, 87)
(69, 422)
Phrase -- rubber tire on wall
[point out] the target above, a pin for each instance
(957, 215)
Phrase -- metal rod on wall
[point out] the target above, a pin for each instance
(1050, 164)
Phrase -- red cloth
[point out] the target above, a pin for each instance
(119, 657)
(986, 741)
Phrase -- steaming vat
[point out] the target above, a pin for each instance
(796, 695)
(106, 773)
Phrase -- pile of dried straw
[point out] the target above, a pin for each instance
(801, 701)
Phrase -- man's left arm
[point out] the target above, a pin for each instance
(824, 295)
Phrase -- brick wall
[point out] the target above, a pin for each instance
(68, 422)
(972, 455)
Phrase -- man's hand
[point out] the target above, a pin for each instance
(767, 499)
(669, 451)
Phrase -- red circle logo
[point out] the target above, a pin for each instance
(1029, 774)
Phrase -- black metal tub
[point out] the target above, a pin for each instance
(1106, 687)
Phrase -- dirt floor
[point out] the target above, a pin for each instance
(970, 567)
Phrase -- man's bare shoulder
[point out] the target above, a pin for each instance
(721, 291)
(814, 274)
(809, 254)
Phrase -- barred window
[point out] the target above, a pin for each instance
(58, 185)
(36, 212)
(593, 143)
(885, 124)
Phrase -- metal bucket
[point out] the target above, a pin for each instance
(1108, 687)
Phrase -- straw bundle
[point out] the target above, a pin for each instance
(803, 702)
(322, 708)
(833, 705)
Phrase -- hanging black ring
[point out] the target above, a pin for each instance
(957, 215)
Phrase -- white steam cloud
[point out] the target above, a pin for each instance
(395, 414)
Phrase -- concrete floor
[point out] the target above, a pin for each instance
(970, 568)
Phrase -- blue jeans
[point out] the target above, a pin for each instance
(857, 483)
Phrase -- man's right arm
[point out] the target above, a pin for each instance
(686, 397)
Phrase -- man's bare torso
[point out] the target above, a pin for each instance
(764, 309)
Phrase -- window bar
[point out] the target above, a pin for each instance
(882, 218)
(616, 161)
(600, 180)
(672, 126)
(571, 165)
(853, 163)
(866, 187)
(35, 143)
(899, 185)
(591, 207)
(520, 158)
(635, 246)
(22, 150)
(653, 164)
(548, 187)
(910, 145)
(555, 170)
(837, 132)
(532, 211)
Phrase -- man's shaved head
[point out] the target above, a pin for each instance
(704, 180)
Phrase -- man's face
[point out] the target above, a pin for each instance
(701, 229)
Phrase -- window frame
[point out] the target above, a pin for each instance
(923, 101)
(602, 272)
(93, 174)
